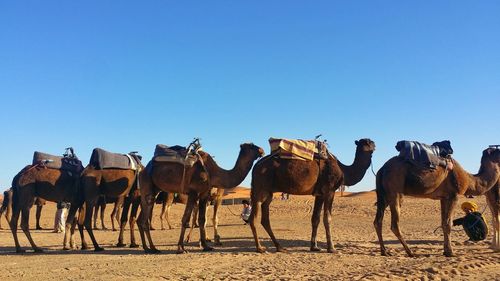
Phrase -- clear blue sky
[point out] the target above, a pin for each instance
(126, 75)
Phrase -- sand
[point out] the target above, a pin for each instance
(357, 256)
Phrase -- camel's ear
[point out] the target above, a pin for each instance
(356, 142)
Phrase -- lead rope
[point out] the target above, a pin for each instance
(373, 172)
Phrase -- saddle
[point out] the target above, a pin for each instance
(175, 154)
(427, 156)
(102, 159)
(299, 149)
(68, 162)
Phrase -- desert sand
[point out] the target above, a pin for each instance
(357, 256)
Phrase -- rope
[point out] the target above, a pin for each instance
(373, 172)
(227, 206)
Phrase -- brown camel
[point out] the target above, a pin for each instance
(7, 208)
(197, 182)
(319, 177)
(50, 184)
(397, 177)
(112, 183)
(115, 214)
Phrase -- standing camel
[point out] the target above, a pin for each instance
(7, 208)
(51, 184)
(110, 182)
(197, 181)
(115, 214)
(397, 177)
(318, 177)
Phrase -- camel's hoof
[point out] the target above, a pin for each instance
(315, 249)
(281, 250)
(261, 250)
(66, 248)
(39, 228)
(120, 245)
(38, 250)
(446, 254)
(135, 246)
(98, 249)
(104, 228)
(331, 250)
(208, 249)
(152, 251)
(20, 251)
(114, 229)
(84, 247)
(181, 251)
(152, 228)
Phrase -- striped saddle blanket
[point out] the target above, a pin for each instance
(298, 149)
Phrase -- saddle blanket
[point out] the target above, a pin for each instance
(293, 149)
(175, 154)
(102, 159)
(429, 156)
(71, 164)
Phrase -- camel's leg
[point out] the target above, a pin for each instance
(447, 206)
(194, 222)
(378, 223)
(147, 203)
(16, 210)
(133, 216)
(81, 227)
(215, 219)
(151, 227)
(202, 222)
(327, 220)
(315, 219)
(96, 213)
(115, 215)
(493, 199)
(256, 203)
(70, 228)
(88, 224)
(123, 221)
(26, 228)
(170, 201)
(162, 214)
(103, 209)
(37, 216)
(192, 198)
(266, 222)
(395, 206)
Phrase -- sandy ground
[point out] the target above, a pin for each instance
(357, 257)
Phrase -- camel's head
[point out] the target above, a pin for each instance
(491, 154)
(258, 151)
(365, 145)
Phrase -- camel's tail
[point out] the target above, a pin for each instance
(380, 190)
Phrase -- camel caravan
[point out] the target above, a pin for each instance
(189, 175)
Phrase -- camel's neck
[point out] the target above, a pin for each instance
(229, 178)
(484, 180)
(355, 172)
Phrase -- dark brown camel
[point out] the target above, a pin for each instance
(397, 177)
(115, 214)
(198, 182)
(112, 183)
(317, 177)
(50, 184)
(7, 208)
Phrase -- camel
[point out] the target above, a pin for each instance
(167, 199)
(397, 177)
(319, 177)
(7, 208)
(112, 183)
(50, 184)
(196, 181)
(115, 214)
